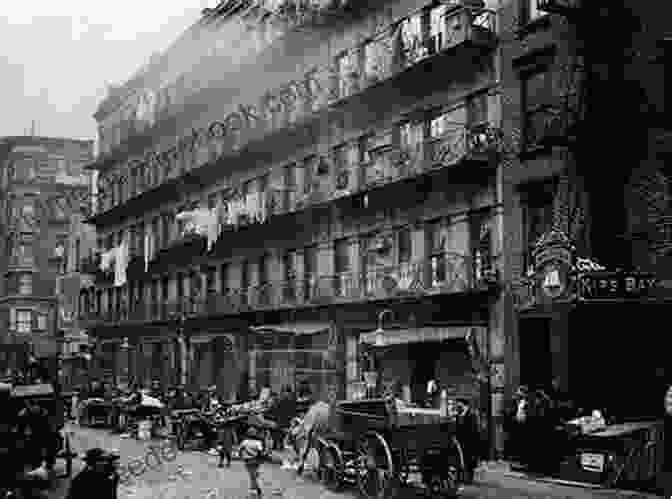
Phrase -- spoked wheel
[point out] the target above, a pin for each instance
(331, 467)
(376, 474)
(445, 480)
(180, 436)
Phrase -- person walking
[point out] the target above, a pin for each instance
(252, 453)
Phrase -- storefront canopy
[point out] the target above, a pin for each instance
(415, 335)
(298, 328)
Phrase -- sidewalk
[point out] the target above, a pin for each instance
(498, 477)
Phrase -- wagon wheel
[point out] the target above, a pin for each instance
(448, 483)
(331, 468)
(375, 468)
(180, 436)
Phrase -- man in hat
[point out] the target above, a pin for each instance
(98, 477)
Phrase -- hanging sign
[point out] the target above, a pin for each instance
(553, 262)
(615, 285)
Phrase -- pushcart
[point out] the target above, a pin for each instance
(378, 446)
(55, 444)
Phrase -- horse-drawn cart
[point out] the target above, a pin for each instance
(379, 444)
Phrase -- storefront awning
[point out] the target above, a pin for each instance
(415, 335)
(297, 328)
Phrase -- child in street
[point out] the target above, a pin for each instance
(252, 453)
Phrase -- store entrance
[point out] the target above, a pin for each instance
(536, 366)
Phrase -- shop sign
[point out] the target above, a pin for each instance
(553, 261)
(615, 285)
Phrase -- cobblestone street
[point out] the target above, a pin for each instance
(194, 475)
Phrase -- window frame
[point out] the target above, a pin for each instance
(28, 325)
(24, 288)
(525, 76)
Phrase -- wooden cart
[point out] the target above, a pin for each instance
(378, 446)
(51, 402)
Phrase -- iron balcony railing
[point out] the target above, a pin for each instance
(443, 273)
(460, 26)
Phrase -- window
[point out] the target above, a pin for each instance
(25, 284)
(437, 28)
(448, 122)
(24, 251)
(23, 321)
(411, 137)
(537, 200)
(342, 256)
(404, 246)
(530, 11)
(180, 286)
(210, 280)
(289, 275)
(477, 109)
(224, 277)
(164, 289)
(245, 275)
(412, 45)
(291, 183)
(537, 99)
(436, 237)
(41, 322)
(378, 56)
(348, 73)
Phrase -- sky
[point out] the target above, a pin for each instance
(57, 57)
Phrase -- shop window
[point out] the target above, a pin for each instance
(537, 101)
(26, 284)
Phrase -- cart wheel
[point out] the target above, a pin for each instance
(180, 436)
(68, 458)
(331, 467)
(454, 474)
(376, 476)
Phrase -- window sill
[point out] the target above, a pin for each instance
(538, 24)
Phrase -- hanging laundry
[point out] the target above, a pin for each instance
(149, 248)
(121, 263)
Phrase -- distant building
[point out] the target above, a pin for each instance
(42, 184)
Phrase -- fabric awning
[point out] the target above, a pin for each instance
(415, 335)
(298, 328)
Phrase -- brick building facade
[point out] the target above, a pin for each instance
(43, 182)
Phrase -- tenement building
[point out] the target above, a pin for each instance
(587, 201)
(43, 183)
(292, 196)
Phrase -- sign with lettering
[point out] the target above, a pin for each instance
(610, 285)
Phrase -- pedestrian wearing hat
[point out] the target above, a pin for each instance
(252, 453)
(98, 475)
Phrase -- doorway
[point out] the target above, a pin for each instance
(536, 363)
(425, 357)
